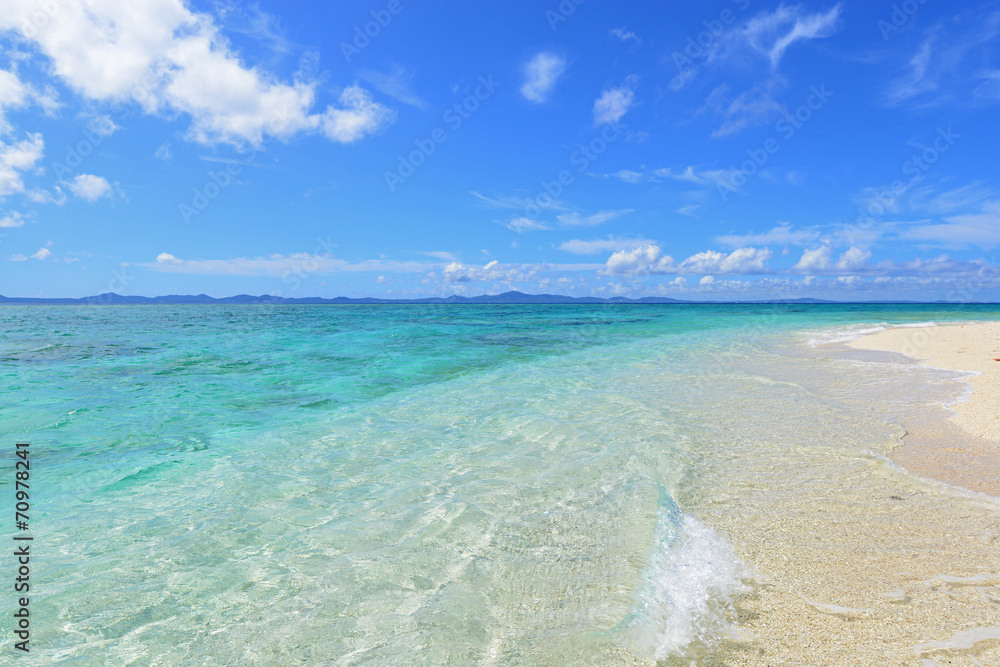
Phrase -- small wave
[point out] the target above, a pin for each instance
(691, 582)
(842, 335)
(909, 325)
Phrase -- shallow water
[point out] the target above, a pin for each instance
(479, 484)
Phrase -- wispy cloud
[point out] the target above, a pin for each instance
(751, 108)
(277, 266)
(939, 71)
(772, 33)
(599, 218)
(526, 224)
(980, 229)
(518, 202)
(395, 84)
(783, 234)
(541, 74)
(624, 34)
(614, 103)
(610, 244)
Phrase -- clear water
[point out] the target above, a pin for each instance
(493, 484)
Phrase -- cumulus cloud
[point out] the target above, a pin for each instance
(650, 260)
(541, 74)
(742, 261)
(15, 159)
(358, 116)
(12, 219)
(89, 187)
(642, 261)
(494, 271)
(614, 103)
(819, 261)
(43, 253)
(171, 60)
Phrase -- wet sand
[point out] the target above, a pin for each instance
(969, 455)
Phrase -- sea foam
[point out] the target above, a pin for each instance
(687, 598)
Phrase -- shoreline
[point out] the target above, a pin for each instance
(965, 449)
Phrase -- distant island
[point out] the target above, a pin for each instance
(110, 298)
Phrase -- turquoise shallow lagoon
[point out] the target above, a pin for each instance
(493, 484)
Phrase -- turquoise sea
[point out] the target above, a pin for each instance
(468, 485)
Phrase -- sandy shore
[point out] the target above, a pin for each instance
(961, 347)
(969, 457)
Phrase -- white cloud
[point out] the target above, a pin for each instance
(13, 95)
(12, 219)
(641, 261)
(818, 261)
(599, 218)
(17, 158)
(42, 196)
(358, 117)
(16, 94)
(396, 84)
(443, 255)
(649, 260)
(506, 273)
(615, 102)
(704, 177)
(43, 253)
(624, 34)
(578, 247)
(103, 125)
(281, 265)
(167, 258)
(89, 187)
(772, 33)
(541, 74)
(751, 108)
(918, 81)
(783, 234)
(515, 202)
(980, 228)
(164, 152)
(170, 59)
(521, 225)
(938, 71)
(629, 176)
(742, 261)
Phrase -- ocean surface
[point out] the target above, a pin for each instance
(468, 485)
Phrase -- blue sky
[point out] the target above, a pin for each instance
(730, 150)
